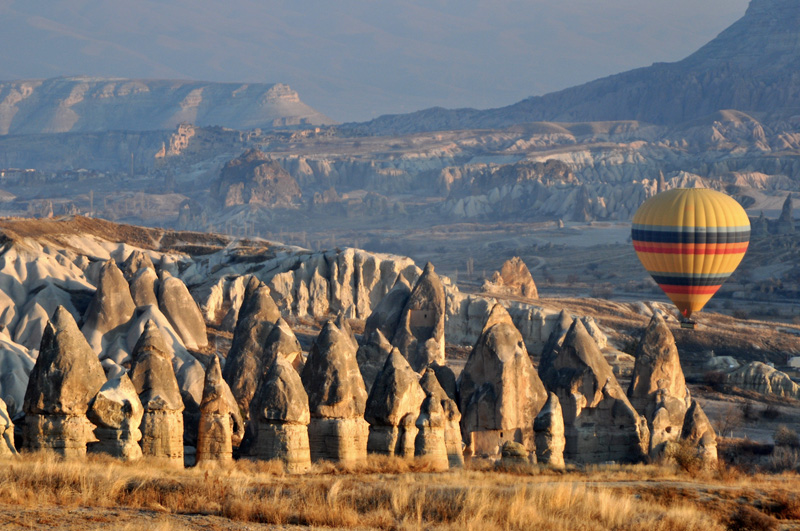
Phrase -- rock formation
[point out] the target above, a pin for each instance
(658, 388)
(117, 412)
(422, 319)
(282, 343)
(143, 287)
(371, 356)
(179, 307)
(761, 378)
(514, 278)
(392, 408)
(110, 309)
(549, 429)
(245, 364)
(433, 425)
(136, 261)
(337, 399)
(7, 447)
(453, 441)
(281, 414)
(499, 389)
(599, 421)
(215, 433)
(386, 315)
(698, 431)
(255, 179)
(66, 376)
(119, 106)
(154, 379)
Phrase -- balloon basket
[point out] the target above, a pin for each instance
(688, 324)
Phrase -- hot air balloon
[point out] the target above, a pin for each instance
(690, 240)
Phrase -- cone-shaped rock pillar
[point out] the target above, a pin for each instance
(117, 412)
(154, 379)
(215, 432)
(112, 306)
(500, 391)
(549, 428)
(337, 399)
(246, 364)
(422, 320)
(281, 415)
(600, 422)
(66, 376)
(658, 388)
(392, 408)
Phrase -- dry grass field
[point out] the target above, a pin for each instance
(39, 491)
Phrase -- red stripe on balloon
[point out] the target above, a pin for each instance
(690, 248)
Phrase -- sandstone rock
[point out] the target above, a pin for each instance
(136, 261)
(658, 388)
(66, 376)
(7, 447)
(143, 287)
(255, 179)
(343, 324)
(246, 361)
(422, 319)
(154, 379)
(559, 332)
(281, 414)
(117, 412)
(429, 419)
(386, 315)
(15, 365)
(430, 440)
(180, 308)
(110, 309)
(371, 356)
(282, 343)
(392, 408)
(337, 398)
(549, 428)
(600, 422)
(514, 278)
(698, 431)
(499, 389)
(761, 378)
(215, 433)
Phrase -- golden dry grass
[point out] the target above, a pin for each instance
(391, 494)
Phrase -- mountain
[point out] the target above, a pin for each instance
(87, 104)
(752, 66)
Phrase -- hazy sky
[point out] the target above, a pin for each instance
(357, 59)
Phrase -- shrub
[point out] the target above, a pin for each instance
(771, 412)
(746, 518)
(740, 313)
(784, 459)
(686, 457)
(715, 379)
(785, 436)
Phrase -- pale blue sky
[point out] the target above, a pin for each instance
(358, 59)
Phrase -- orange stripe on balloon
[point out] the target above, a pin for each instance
(690, 248)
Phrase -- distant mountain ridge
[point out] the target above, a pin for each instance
(89, 104)
(752, 66)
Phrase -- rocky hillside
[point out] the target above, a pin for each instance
(83, 104)
(749, 67)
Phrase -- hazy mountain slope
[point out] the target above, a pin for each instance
(751, 66)
(83, 104)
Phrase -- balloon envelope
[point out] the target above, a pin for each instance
(690, 240)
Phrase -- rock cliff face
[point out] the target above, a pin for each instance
(747, 67)
(255, 179)
(83, 104)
